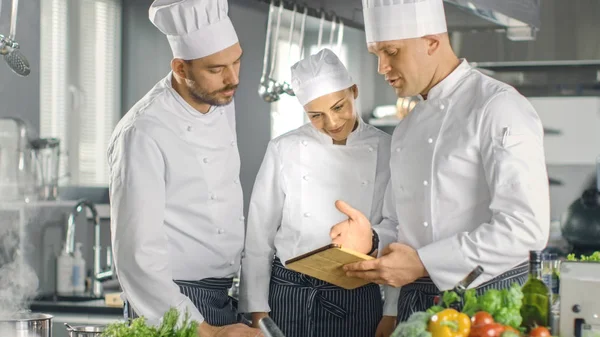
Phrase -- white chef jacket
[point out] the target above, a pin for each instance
(461, 193)
(176, 199)
(292, 208)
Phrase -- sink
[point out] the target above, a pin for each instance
(66, 298)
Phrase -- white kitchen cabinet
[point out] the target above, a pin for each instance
(578, 121)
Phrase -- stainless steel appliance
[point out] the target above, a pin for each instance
(45, 154)
(579, 294)
(85, 330)
(26, 325)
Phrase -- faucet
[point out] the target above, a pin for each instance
(99, 275)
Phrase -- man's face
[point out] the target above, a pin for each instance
(406, 64)
(214, 79)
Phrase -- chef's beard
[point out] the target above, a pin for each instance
(205, 97)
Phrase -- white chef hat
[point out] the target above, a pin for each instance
(194, 28)
(387, 20)
(318, 75)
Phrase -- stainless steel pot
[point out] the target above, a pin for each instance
(84, 330)
(26, 325)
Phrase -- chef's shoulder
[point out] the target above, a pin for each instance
(146, 119)
(498, 103)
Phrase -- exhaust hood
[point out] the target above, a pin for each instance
(563, 60)
(520, 18)
(543, 48)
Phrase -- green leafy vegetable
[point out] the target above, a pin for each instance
(435, 309)
(512, 297)
(491, 301)
(510, 317)
(410, 329)
(471, 306)
(419, 316)
(595, 257)
(169, 327)
(450, 297)
(415, 326)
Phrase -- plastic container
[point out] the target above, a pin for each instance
(78, 270)
(64, 273)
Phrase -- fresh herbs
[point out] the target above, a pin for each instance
(595, 257)
(169, 327)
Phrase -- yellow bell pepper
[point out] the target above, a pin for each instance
(449, 323)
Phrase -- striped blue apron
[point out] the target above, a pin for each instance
(421, 294)
(211, 298)
(303, 306)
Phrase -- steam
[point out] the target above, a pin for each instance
(18, 281)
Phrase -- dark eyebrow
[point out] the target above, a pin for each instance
(336, 103)
(224, 65)
(318, 112)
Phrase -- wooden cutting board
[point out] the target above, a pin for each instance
(113, 300)
(326, 264)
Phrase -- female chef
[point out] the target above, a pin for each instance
(292, 207)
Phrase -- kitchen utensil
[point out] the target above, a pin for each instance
(10, 48)
(85, 330)
(26, 324)
(340, 37)
(269, 328)
(332, 31)
(321, 24)
(275, 86)
(462, 286)
(263, 89)
(302, 32)
(285, 87)
(45, 158)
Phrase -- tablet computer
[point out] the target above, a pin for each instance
(326, 264)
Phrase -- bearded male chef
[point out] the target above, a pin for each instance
(469, 185)
(176, 202)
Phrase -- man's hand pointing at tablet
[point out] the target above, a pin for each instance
(354, 233)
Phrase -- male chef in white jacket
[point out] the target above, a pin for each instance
(469, 185)
(177, 220)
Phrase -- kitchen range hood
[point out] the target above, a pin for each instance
(520, 19)
(541, 47)
(563, 60)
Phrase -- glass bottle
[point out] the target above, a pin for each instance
(537, 297)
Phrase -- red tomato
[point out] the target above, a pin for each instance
(482, 318)
(540, 331)
(488, 330)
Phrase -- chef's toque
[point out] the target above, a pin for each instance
(194, 28)
(318, 75)
(387, 20)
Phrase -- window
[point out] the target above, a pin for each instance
(287, 114)
(80, 78)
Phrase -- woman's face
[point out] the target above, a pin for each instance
(333, 114)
